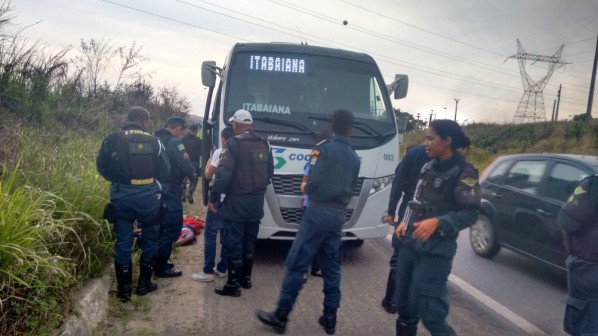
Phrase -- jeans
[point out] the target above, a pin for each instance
(210, 233)
(170, 228)
(319, 234)
(421, 290)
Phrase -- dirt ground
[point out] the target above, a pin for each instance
(170, 310)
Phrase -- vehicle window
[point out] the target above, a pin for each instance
(562, 181)
(526, 175)
(497, 173)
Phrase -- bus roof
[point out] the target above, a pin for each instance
(302, 48)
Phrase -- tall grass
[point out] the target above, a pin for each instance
(50, 235)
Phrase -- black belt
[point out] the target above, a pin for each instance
(335, 205)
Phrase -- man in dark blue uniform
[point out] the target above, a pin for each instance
(579, 220)
(193, 147)
(132, 160)
(403, 188)
(333, 173)
(172, 191)
(243, 174)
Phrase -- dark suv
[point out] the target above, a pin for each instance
(521, 197)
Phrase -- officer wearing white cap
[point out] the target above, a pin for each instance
(245, 169)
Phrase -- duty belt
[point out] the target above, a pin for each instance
(143, 182)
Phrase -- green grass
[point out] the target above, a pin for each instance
(50, 237)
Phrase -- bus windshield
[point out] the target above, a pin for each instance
(294, 95)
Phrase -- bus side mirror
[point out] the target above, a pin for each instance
(208, 73)
(399, 86)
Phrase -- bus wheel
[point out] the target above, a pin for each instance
(355, 243)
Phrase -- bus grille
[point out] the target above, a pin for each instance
(290, 185)
(293, 215)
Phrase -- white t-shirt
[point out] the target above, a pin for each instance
(216, 158)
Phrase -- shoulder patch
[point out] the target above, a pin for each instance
(579, 190)
(470, 181)
(181, 147)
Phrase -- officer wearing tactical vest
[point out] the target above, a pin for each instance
(132, 160)
(172, 191)
(446, 201)
(579, 220)
(245, 169)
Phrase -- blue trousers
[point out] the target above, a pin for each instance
(170, 228)
(239, 238)
(213, 225)
(319, 234)
(421, 290)
(131, 207)
(581, 312)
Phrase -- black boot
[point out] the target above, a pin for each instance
(232, 287)
(162, 270)
(388, 302)
(145, 284)
(406, 330)
(276, 319)
(124, 277)
(247, 269)
(328, 320)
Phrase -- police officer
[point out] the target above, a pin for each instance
(403, 187)
(579, 220)
(132, 160)
(193, 147)
(172, 191)
(333, 174)
(243, 174)
(446, 201)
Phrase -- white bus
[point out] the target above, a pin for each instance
(291, 91)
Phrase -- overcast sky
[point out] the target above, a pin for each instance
(449, 49)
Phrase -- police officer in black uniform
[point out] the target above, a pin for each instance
(333, 173)
(193, 146)
(172, 191)
(579, 220)
(446, 201)
(132, 160)
(403, 187)
(243, 174)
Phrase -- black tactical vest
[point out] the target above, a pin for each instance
(133, 154)
(583, 243)
(250, 175)
(436, 188)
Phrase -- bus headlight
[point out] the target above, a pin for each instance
(381, 183)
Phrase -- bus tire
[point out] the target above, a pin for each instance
(355, 243)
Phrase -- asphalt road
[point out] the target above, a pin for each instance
(531, 290)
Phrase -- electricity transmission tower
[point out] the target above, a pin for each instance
(531, 105)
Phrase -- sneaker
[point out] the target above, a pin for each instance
(203, 277)
(220, 274)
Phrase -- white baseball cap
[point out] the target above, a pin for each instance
(242, 117)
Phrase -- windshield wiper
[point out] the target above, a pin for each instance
(359, 125)
(288, 123)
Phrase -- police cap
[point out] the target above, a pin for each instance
(175, 121)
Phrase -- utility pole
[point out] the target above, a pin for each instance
(553, 110)
(591, 96)
(431, 113)
(456, 103)
(558, 102)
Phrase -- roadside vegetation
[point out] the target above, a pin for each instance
(491, 140)
(56, 104)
